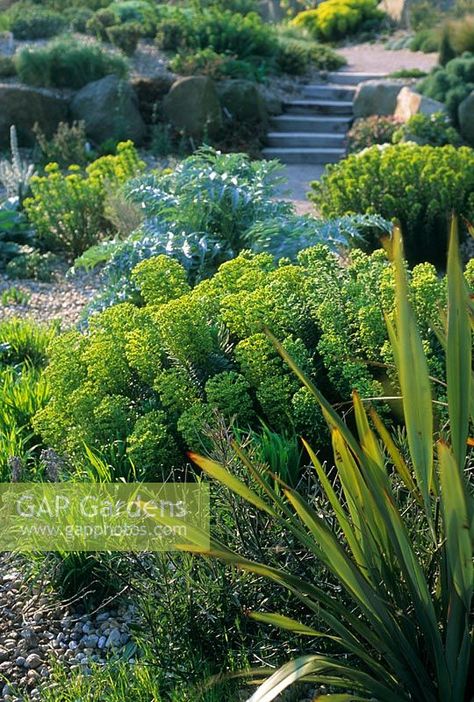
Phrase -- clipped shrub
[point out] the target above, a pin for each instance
(419, 185)
(67, 210)
(125, 36)
(336, 19)
(66, 63)
(163, 370)
(36, 23)
(435, 130)
(136, 11)
(372, 130)
(451, 84)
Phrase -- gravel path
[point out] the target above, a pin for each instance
(375, 58)
(62, 300)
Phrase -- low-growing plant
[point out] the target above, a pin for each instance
(435, 130)
(370, 131)
(67, 210)
(296, 56)
(451, 84)
(66, 63)
(393, 529)
(427, 40)
(67, 146)
(30, 263)
(32, 22)
(408, 73)
(336, 19)
(210, 63)
(419, 185)
(14, 296)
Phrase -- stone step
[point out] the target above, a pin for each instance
(329, 92)
(305, 139)
(302, 155)
(313, 124)
(352, 78)
(318, 107)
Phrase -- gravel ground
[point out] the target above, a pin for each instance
(37, 631)
(63, 299)
(368, 58)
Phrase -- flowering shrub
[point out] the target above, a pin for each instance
(151, 378)
(336, 19)
(67, 210)
(419, 185)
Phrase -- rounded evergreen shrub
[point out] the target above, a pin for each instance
(336, 19)
(421, 186)
(36, 23)
(152, 378)
(451, 84)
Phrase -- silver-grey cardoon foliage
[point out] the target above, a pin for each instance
(16, 174)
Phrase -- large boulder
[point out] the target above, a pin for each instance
(397, 10)
(376, 97)
(109, 108)
(241, 101)
(192, 106)
(410, 103)
(23, 106)
(466, 118)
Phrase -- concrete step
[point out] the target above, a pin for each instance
(305, 139)
(352, 78)
(304, 155)
(329, 92)
(313, 124)
(318, 107)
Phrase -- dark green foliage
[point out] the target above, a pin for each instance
(77, 18)
(155, 379)
(435, 130)
(208, 62)
(125, 36)
(371, 130)
(451, 84)
(7, 67)
(98, 24)
(36, 22)
(296, 56)
(14, 233)
(419, 185)
(66, 63)
(33, 264)
(426, 40)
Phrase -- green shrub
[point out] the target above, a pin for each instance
(7, 67)
(67, 211)
(426, 40)
(371, 130)
(66, 146)
(78, 18)
(221, 30)
(36, 23)
(163, 370)
(125, 36)
(98, 24)
(451, 84)
(33, 265)
(419, 185)
(391, 527)
(136, 11)
(66, 63)
(457, 39)
(336, 19)
(208, 62)
(296, 56)
(435, 130)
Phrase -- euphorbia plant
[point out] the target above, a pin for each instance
(404, 626)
